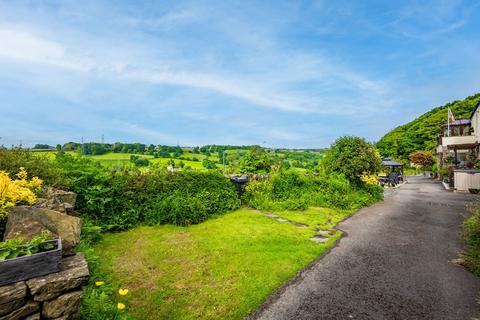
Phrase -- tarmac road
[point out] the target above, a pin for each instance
(393, 263)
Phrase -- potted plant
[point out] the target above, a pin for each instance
(22, 260)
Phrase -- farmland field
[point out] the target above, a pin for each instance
(301, 161)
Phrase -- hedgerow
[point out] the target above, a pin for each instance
(291, 190)
(121, 199)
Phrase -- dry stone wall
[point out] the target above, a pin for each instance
(54, 296)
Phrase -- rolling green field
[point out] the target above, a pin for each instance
(223, 268)
(117, 159)
(193, 164)
(232, 158)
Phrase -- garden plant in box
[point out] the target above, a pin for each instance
(22, 260)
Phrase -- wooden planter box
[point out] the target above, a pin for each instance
(34, 265)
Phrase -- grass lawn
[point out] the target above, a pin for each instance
(223, 268)
(321, 218)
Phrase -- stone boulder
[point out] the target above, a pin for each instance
(35, 316)
(12, 297)
(27, 222)
(74, 274)
(57, 200)
(66, 305)
(29, 308)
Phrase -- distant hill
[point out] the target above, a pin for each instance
(422, 133)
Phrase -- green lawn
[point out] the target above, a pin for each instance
(223, 268)
(321, 218)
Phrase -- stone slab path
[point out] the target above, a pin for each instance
(393, 263)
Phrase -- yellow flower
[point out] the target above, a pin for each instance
(122, 292)
(120, 306)
(369, 178)
(22, 174)
(18, 191)
(99, 283)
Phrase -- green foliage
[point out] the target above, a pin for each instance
(42, 146)
(120, 199)
(352, 156)
(99, 301)
(35, 164)
(208, 164)
(257, 160)
(305, 159)
(14, 248)
(186, 197)
(422, 133)
(444, 171)
(421, 158)
(471, 255)
(139, 161)
(85, 177)
(90, 233)
(292, 191)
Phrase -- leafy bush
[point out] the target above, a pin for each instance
(37, 165)
(291, 191)
(121, 199)
(257, 160)
(85, 177)
(208, 164)
(139, 161)
(421, 158)
(352, 157)
(471, 228)
(16, 192)
(187, 197)
(90, 233)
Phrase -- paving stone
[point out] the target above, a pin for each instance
(319, 239)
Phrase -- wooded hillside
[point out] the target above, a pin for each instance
(422, 133)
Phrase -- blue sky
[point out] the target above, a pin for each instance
(275, 73)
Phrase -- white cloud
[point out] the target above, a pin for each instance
(23, 46)
(268, 89)
(167, 21)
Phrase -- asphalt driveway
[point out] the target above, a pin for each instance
(393, 263)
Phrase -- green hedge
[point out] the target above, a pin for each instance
(291, 190)
(120, 199)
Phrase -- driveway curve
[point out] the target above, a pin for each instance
(393, 263)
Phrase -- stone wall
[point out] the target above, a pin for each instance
(53, 296)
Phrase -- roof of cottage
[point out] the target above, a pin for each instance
(458, 122)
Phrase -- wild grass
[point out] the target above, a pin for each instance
(471, 254)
